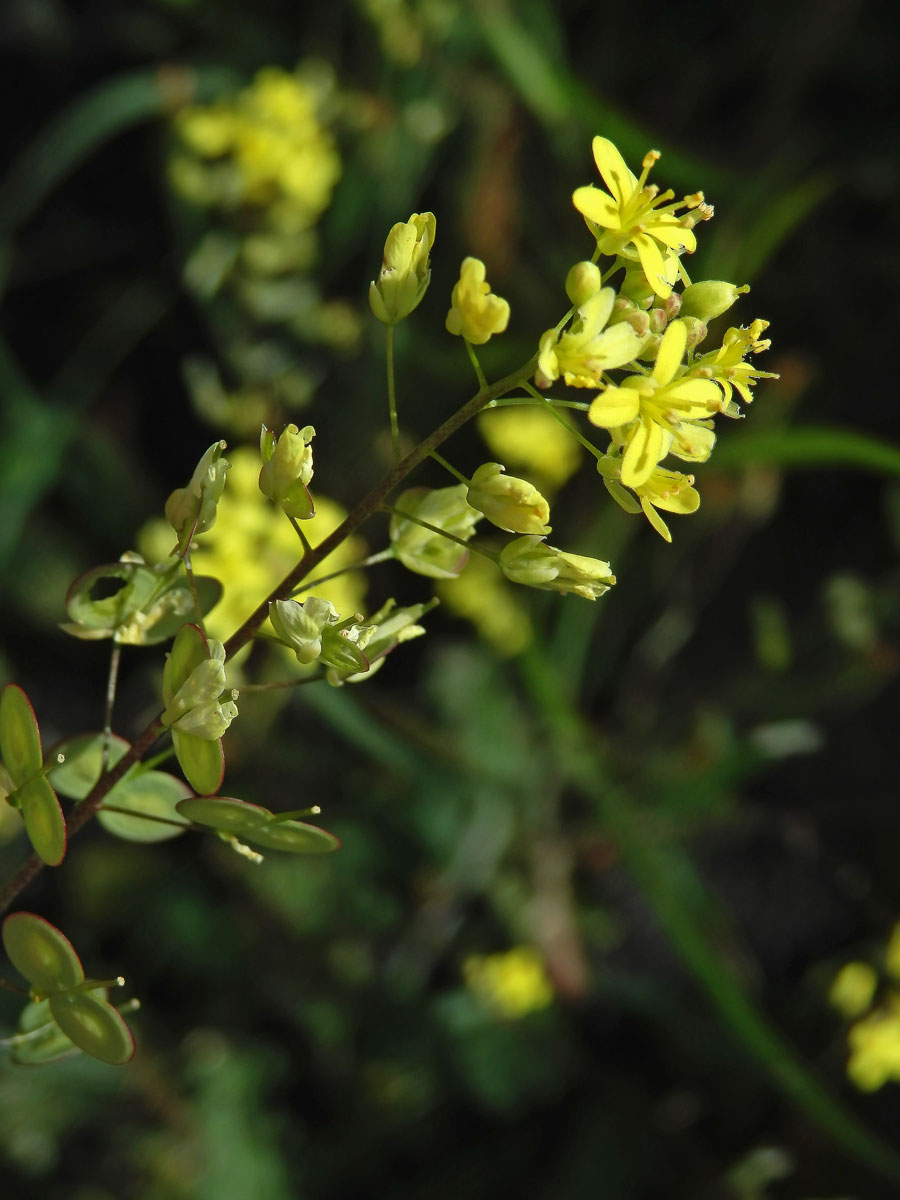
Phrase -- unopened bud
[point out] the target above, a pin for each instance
(582, 282)
(710, 298)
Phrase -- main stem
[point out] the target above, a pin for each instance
(367, 506)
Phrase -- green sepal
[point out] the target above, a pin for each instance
(44, 820)
(39, 952)
(20, 738)
(145, 794)
(93, 1025)
(202, 760)
(257, 825)
(83, 755)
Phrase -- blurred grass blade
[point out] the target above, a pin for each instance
(684, 911)
(557, 98)
(773, 212)
(89, 122)
(809, 446)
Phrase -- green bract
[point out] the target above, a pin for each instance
(146, 605)
(256, 825)
(20, 748)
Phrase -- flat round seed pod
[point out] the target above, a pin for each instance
(20, 738)
(94, 1026)
(41, 953)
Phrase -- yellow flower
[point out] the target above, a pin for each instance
(529, 561)
(475, 313)
(853, 989)
(508, 502)
(727, 367)
(588, 348)
(875, 1048)
(635, 220)
(512, 985)
(658, 408)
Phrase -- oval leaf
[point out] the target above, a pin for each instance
(84, 757)
(41, 953)
(94, 1026)
(151, 794)
(44, 820)
(20, 738)
(224, 813)
(202, 760)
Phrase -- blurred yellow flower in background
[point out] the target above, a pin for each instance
(252, 547)
(511, 985)
(530, 439)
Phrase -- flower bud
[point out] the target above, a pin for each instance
(582, 282)
(300, 626)
(287, 469)
(191, 510)
(528, 560)
(696, 331)
(423, 551)
(709, 299)
(509, 503)
(405, 269)
(475, 313)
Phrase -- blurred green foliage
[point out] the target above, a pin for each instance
(682, 797)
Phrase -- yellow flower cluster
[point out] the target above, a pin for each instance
(874, 1037)
(666, 402)
(263, 148)
(511, 985)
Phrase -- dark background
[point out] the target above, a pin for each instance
(305, 1029)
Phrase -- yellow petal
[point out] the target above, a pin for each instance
(693, 442)
(611, 166)
(649, 443)
(670, 353)
(673, 235)
(691, 398)
(597, 207)
(653, 265)
(613, 407)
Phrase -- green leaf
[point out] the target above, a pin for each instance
(202, 760)
(151, 794)
(84, 758)
(20, 738)
(44, 820)
(257, 825)
(93, 1025)
(41, 953)
(188, 651)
